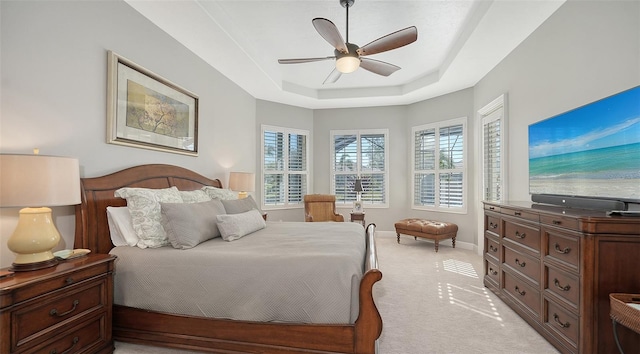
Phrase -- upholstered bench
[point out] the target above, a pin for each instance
(433, 230)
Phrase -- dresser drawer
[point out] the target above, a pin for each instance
(564, 285)
(563, 248)
(492, 248)
(560, 221)
(492, 272)
(525, 235)
(523, 264)
(83, 337)
(524, 294)
(56, 310)
(492, 225)
(523, 214)
(562, 324)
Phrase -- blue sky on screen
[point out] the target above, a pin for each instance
(612, 121)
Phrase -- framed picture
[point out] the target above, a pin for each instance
(357, 207)
(147, 111)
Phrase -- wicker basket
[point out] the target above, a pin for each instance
(623, 313)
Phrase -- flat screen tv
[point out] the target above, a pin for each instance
(589, 152)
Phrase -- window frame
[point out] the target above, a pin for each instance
(359, 172)
(437, 170)
(285, 171)
(495, 110)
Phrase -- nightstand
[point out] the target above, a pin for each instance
(62, 309)
(359, 217)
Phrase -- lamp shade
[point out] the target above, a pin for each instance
(38, 180)
(358, 186)
(242, 181)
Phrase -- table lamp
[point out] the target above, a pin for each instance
(242, 182)
(358, 188)
(37, 182)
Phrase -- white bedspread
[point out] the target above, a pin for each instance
(286, 272)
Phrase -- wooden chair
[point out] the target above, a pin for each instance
(321, 207)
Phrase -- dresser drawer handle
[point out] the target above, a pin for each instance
(492, 225)
(517, 213)
(557, 319)
(493, 272)
(522, 264)
(523, 292)
(556, 222)
(493, 249)
(54, 312)
(520, 235)
(75, 341)
(562, 251)
(69, 281)
(563, 288)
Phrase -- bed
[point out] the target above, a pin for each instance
(212, 334)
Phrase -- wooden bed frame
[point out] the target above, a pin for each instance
(210, 334)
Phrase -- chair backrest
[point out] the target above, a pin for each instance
(321, 207)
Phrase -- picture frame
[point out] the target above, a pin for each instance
(357, 207)
(147, 111)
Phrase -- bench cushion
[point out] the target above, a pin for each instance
(426, 226)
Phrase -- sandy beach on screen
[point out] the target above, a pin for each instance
(621, 188)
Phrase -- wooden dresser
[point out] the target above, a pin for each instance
(62, 309)
(556, 268)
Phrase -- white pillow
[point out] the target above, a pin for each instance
(144, 206)
(121, 227)
(220, 193)
(196, 196)
(234, 226)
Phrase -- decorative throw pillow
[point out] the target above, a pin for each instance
(235, 226)
(121, 227)
(189, 224)
(196, 196)
(144, 206)
(237, 206)
(220, 193)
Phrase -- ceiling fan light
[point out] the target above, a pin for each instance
(347, 64)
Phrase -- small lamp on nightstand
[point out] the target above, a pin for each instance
(357, 206)
(242, 182)
(37, 182)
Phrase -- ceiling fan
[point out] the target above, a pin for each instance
(349, 56)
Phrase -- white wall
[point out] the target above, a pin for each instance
(54, 79)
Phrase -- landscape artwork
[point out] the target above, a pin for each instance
(591, 151)
(153, 112)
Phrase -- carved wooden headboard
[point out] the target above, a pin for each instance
(92, 228)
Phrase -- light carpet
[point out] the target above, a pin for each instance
(432, 303)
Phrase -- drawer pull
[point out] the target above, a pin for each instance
(563, 288)
(69, 281)
(492, 208)
(54, 312)
(492, 225)
(520, 235)
(557, 319)
(517, 213)
(523, 292)
(557, 222)
(562, 251)
(493, 249)
(75, 341)
(493, 272)
(522, 264)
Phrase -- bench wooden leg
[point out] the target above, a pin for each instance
(453, 241)
(436, 242)
(398, 237)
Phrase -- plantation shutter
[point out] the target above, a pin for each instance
(345, 157)
(273, 168)
(297, 182)
(424, 165)
(492, 154)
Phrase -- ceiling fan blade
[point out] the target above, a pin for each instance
(378, 67)
(333, 77)
(330, 33)
(302, 60)
(391, 41)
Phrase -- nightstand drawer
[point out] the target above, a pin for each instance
(80, 338)
(45, 287)
(57, 310)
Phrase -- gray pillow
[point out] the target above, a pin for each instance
(237, 206)
(189, 224)
(235, 226)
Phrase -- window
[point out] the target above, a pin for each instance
(439, 166)
(360, 153)
(493, 150)
(284, 167)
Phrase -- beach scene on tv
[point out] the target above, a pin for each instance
(591, 151)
